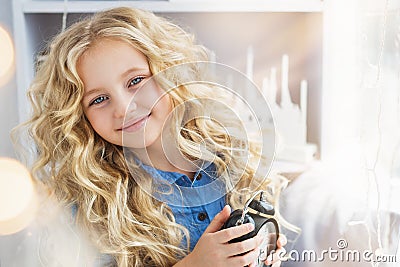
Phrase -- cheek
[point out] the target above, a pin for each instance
(166, 102)
(164, 107)
(152, 96)
(96, 127)
(164, 99)
(97, 122)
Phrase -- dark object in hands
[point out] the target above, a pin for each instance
(264, 223)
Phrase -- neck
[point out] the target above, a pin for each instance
(165, 156)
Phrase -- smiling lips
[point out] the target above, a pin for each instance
(133, 126)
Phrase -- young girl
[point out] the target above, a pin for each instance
(109, 137)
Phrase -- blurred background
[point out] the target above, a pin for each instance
(330, 71)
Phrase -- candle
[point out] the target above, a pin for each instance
(285, 94)
(231, 90)
(303, 101)
(273, 87)
(250, 62)
(303, 109)
(213, 57)
(212, 66)
(265, 90)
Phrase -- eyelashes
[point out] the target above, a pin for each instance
(131, 84)
(98, 100)
(136, 81)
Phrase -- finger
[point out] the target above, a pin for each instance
(282, 241)
(228, 234)
(268, 261)
(219, 220)
(244, 260)
(276, 256)
(244, 246)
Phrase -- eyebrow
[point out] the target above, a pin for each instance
(134, 69)
(91, 91)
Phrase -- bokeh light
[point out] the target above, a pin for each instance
(18, 202)
(6, 56)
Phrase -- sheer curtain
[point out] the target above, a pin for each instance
(353, 195)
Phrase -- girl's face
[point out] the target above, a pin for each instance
(115, 101)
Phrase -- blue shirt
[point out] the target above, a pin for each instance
(193, 203)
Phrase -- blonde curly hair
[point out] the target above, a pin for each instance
(83, 169)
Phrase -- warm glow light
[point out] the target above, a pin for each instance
(6, 56)
(340, 95)
(17, 197)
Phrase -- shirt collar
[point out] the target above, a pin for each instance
(172, 177)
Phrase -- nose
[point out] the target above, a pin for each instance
(124, 103)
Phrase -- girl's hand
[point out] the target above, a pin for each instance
(274, 258)
(213, 248)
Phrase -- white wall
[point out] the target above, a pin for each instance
(8, 91)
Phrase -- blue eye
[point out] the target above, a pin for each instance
(135, 81)
(98, 100)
